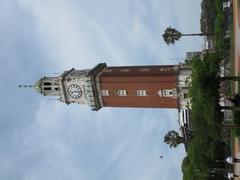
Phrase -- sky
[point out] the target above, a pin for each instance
(45, 139)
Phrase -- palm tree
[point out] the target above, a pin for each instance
(171, 35)
(173, 139)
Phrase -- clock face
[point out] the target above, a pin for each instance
(74, 91)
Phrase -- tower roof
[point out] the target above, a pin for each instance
(37, 86)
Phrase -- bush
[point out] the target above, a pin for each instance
(205, 118)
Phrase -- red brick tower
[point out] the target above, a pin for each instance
(139, 86)
(124, 86)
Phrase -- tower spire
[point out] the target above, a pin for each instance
(25, 86)
(36, 86)
(158, 86)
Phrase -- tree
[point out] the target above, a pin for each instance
(173, 139)
(171, 35)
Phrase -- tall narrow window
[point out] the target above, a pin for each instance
(141, 92)
(47, 84)
(167, 93)
(124, 70)
(105, 92)
(144, 69)
(121, 92)
(160, 93)
(47, 88)
(108, 70)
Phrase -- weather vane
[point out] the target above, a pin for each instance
(25, 86)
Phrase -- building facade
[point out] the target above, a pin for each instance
(163, 86)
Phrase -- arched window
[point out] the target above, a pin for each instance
(105, 92)
(47, 84)
(122, 92)
(47, 88)
(124, 70)
(141, 92)
(167, 93)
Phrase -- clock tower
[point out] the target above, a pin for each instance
(124, 86)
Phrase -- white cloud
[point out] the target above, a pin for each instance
(128, 146)
(84, 37)
(60, 32)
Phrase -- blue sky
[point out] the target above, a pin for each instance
(43, 139)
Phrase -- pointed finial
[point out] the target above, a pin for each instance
(25, 86)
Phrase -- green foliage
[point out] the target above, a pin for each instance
(205, 118)
(173, 139)
(218, 28)
(206, 145)
(185, 164)
(171, 35)
(207, 16)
